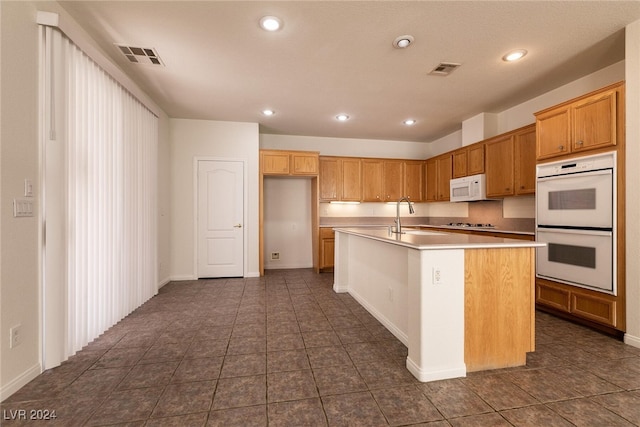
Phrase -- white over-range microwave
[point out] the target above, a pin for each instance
(469, 188)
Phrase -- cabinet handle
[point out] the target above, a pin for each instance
(579, 142)
(561, 147)
(237, 226)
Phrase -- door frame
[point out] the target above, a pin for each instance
(245, 200)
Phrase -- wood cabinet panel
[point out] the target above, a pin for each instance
(275, 163)
(392, 180)
(304, 163)
(414, 180)
(444, 172)
(525, 161)
(329, 179)
(371, 180)
(475, 159)
(460, 163)
(279, 162)
(594, 122)
(597, 309)
(500, 166)
(553, 296)
(327, 248)
(351, 182)
(431, 185)
(586, 123)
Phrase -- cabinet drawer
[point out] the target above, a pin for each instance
(553, 296)
(327, 233)
(593, 308)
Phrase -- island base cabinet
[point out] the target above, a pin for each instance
(502, 331)
(478, 315)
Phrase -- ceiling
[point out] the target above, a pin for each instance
(334, 57)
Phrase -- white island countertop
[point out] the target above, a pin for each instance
(437, 240)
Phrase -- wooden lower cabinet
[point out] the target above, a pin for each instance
(327, 248)
(595, 307)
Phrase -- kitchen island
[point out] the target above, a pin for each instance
(460, 303)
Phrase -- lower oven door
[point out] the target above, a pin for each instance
(582, 258)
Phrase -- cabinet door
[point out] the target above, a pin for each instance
(329, 179)
(414, 181)
(327, 247)
(275, 163)
(500, 162)
(460, 163)
(351, 181)
(371, 180)
(552, 133)
(392, 180)
(475, 159)
(525, 162)
(444, 176)
(594, 121)
(304, 164)
(431, 185)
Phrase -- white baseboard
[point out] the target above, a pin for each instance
(182, 278)
(253, 274)
(442, 374)
(381, 318)
(632, 340)
(164, 282)
(20, 381)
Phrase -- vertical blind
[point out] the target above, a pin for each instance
(106, 194)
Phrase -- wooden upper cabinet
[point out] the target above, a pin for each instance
(475, 159)
(372, 180)
(444, 173)
(594, 121)
(500, 166)
(304, 163)
(351, 180)
(329, 182)
(525, 161)
(460, 163)
(279, 162)
(586, 123)
(275, 162)
(431, 185)
(414, 180)
(392, 180)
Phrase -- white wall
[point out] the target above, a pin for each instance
(19, 157)
(287, 222)
(19, 281)
(190, 139)
(347, 146)
(633, 183)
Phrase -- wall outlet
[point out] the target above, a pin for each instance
(275, 256)
(15, 336)
(436, 276)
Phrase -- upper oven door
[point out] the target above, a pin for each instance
(582, 199)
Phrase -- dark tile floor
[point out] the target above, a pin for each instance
(285, 350)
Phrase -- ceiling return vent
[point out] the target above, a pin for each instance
(140, 55)
(444, 69)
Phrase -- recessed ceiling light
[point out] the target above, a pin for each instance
(409, 122)
(268, 112)
(402, 42)
(270, 23)
(342, 117)
(514, 55)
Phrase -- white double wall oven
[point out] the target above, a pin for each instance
(576, 217)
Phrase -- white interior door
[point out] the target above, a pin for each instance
(220, 237)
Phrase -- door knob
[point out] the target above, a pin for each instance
(237, 226)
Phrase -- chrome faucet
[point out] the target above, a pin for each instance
(397, 221)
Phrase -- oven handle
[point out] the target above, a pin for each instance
(584, 232)
(607, 171)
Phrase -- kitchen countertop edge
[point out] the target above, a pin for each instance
(442, 241)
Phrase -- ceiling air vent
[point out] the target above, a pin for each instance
(140, 55)
(444, 69)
